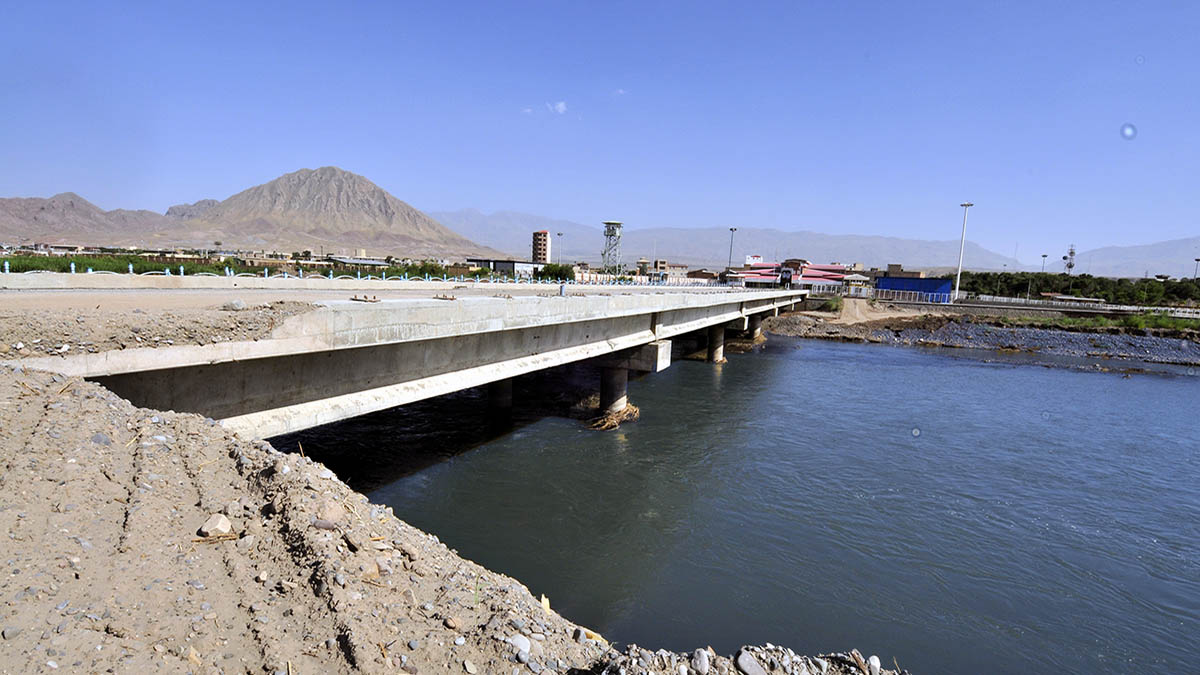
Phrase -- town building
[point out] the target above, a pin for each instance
(894, 270)
(541, 247)
(507, 268)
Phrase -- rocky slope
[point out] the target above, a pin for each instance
(326, 207)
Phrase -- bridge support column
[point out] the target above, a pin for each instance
(500, 395)
(716, 344)
(755, 326)
(613, 389)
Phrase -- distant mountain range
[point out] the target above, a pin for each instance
(1175, 258)
(510, 231)
(323, 209)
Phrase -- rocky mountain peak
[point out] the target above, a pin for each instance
(191, 210)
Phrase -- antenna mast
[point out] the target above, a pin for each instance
(1069, 259)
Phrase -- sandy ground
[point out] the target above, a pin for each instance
(858, 311)
(49, 328)
(147, 541)
(855, 311)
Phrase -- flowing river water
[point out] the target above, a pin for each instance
(927, 505)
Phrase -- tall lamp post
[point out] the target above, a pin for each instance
(961, 245)
(1043, 263)
(1197, 269)
(729, 265)
(560, 248)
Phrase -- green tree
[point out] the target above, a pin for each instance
(553, 271)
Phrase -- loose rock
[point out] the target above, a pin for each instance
(217, 524)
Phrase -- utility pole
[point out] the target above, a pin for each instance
(961, 245)
(729, 265)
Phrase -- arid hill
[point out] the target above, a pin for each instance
(69, 217)
(323, 209)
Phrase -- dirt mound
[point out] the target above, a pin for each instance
(859, 310)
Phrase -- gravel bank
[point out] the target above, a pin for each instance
(41, 332)
(983, 333)
(142, 540)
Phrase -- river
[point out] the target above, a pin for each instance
(955, 514)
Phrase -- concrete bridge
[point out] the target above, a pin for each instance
(346, 358)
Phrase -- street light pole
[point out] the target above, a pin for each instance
(1043, 263)
(729, 265)
(961, 245)
(560, 248)
(1197, 269)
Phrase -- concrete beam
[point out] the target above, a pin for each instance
(654, 357)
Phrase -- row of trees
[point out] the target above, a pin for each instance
(1153, 292)
(112, 263)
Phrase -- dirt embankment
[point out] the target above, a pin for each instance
(139, 540)
(41, 332)
(858, 323)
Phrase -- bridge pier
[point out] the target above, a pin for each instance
(614, 395)
(755, 326)
(614, 372)
(716, 344)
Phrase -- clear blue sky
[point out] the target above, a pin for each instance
(844, 117)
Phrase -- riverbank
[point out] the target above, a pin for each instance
(140, 539)
(1040, 335)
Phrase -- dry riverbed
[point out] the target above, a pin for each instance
(140, 540)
